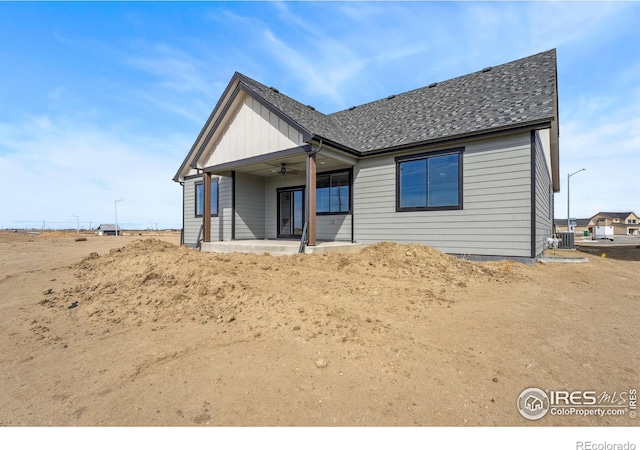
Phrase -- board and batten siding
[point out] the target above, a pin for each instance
(252, 130)
(543, 195)
(496, 215)
(250, 214)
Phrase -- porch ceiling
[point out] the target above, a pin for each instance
(295, 164)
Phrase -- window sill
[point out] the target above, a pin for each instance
(433, 208)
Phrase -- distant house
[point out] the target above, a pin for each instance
(107, 229)
(581, 225)
(468, 165)
(622, 222)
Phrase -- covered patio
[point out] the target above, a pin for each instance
(274, 200)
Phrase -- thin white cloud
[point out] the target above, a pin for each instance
(173, 69)
(319, 78)
(605, 141)
(179, 82)
(196, 110)
(71, 168)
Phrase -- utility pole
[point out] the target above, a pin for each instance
(568, 198)
(116, 208)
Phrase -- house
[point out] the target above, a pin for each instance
(581, 225)
(468, 165)
(107, 229)
(622, 222)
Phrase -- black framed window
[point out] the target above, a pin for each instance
(333, 193)
(200, 198)
(431, 181)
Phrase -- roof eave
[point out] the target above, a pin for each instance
(179, 177)
(555, 136)
(337, 145)
(508, 129)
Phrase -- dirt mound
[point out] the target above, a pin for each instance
(348, 296)
(427, 262)
(11, 237)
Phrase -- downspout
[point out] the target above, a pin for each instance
(306, 181)
(182, 229)
(233, 205)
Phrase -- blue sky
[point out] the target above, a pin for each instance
(102, 101)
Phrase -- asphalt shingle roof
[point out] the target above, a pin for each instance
(579, 222)
(615, 215)
(512, 94)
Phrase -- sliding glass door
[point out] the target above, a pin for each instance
(290, 212)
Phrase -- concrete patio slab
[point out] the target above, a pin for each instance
(277, 247)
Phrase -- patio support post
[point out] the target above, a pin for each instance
(311, 190)
(206, 211)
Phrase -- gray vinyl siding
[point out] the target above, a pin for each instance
(496, 215)
(543, 199)
(339, 230)
(221, 225)
(191, 222)
(250, 216)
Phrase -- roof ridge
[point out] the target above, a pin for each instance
(615, 213)
(434, 84)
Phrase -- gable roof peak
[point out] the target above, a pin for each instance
(305, 115)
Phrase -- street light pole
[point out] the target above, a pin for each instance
(115, 204)
(78, 224)
(568, 198)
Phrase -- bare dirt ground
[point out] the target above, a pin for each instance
(136, 331)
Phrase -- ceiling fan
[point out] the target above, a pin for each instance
(284, 170)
